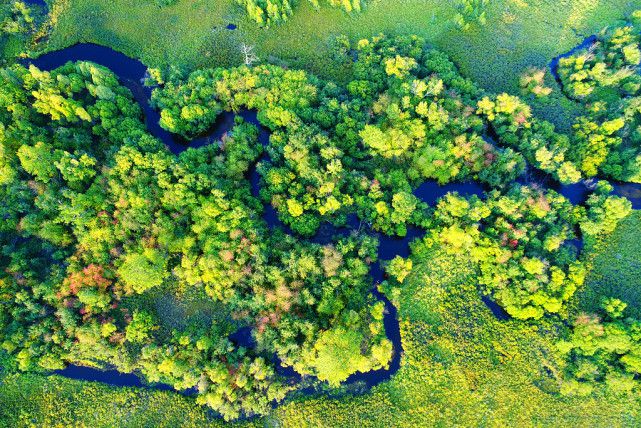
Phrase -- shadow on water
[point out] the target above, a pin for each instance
(430, 191)
(496, 309)
(632, 191)
(132, 74)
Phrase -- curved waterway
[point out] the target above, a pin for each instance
(132, 75)
(588, 42)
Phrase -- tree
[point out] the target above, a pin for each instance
(142, 271)
(336, 355)
(248, 54)
(140, 327)
(602, 353)
(399, 268)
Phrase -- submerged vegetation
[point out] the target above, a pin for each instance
(208, 270)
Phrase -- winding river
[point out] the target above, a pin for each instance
(131, 74)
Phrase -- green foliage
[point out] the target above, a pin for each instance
(532, 82)
(227, 380)
(101, 219)
(16, 18)
(129, 219)
(268, 12)
(336, 355)
(616, 268)
(141, 271)
(162, 3)
(471, 12)
(604, 212)
(460, 362)
(18, 22)
(140, 328)
(399, 268)
(517, 239)
(322, 133)
(537, 140)
(602, 352)
(605, 79)
(316, 286)
(183, 110)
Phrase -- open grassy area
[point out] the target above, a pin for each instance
(32, 400)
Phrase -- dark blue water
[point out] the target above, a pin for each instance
(430, 191)
(576, 193)
(243, 337)
(131, 73)
(115, 378)
(41, 3)
(110, 377)
(231, 26)
(496, 309)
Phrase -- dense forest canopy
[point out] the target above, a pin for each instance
(103, 226)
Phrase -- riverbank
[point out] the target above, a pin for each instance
(193, 35)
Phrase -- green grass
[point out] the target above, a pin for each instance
(51, 401)
(617, 269)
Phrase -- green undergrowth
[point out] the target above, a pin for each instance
(177, 309)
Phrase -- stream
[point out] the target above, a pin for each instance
(131, 74)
